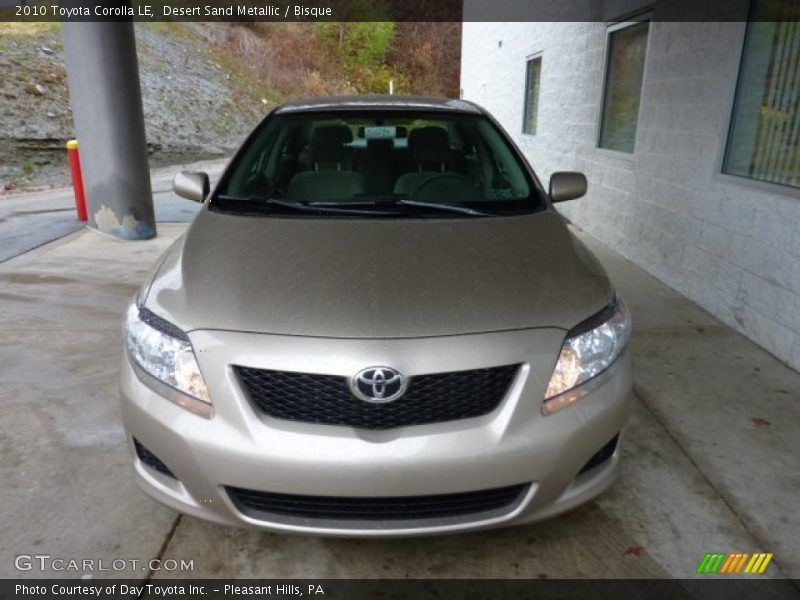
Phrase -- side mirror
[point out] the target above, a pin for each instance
(193, 185)
(567, 185)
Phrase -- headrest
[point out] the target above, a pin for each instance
(429, 144)
(327, 143)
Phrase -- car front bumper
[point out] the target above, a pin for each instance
(243, 448)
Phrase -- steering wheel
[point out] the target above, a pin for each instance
(445, 179)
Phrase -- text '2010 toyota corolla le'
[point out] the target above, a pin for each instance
(376, 325)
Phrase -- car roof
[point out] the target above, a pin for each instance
(378, 102)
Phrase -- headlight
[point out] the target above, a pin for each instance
(590, 348)
(163, 358)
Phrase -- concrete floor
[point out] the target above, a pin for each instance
(710, 459)
(30, 220)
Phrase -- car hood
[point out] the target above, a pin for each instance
(377, 278)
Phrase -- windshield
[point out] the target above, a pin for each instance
(382, 163)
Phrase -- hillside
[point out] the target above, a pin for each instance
(217, 82)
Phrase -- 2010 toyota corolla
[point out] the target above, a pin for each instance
(376, 325)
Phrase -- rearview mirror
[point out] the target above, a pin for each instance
(193, 185)
(567, 185)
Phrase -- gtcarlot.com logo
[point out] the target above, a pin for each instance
(46, 562)
(736, 562)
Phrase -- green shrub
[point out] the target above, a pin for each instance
(359, 45)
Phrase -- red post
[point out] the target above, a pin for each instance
(77, 178)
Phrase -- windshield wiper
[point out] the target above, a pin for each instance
(255, 201)
(395, 201)
(447, 207)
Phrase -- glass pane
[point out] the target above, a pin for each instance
(764, 141)
(361, 155)
(532, 95)
(626, 56)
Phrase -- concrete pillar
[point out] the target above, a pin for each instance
(106, 104)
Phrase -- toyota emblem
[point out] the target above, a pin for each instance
(378, 385)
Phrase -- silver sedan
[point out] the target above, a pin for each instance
(376, 325)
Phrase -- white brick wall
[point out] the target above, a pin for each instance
(731, 246)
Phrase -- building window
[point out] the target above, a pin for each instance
(764, 138)
(627, 47)
(533, 73)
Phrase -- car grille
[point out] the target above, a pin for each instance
(441, 507)
(601, 456)
(327, 399)
(151, 460)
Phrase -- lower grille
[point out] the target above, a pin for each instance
(327, 399)
(151, 460)
(272, 506)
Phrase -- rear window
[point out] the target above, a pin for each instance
(348, 156)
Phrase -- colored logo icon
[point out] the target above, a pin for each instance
(737, 562)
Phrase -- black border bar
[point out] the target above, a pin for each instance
(396, 10)
(728, 588)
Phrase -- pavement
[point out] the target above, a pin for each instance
(709, 458)
(28, 220)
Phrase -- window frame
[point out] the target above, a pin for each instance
(528, 60)
(612, 28)
(720, 175)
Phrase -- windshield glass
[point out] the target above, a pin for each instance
(402, 161)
